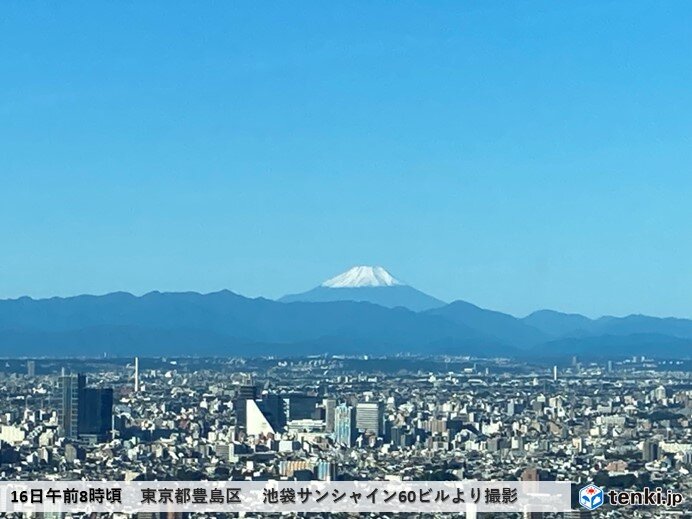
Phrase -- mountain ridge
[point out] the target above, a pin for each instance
(226, 323)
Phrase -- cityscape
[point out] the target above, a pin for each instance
(420, 259)
(623, 423)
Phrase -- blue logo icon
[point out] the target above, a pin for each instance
(591, 497)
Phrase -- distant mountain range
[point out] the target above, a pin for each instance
(363, 310)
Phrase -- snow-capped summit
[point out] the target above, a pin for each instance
(367, 284)
(362, 276)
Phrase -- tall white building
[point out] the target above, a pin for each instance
(136, 374)
(370, 417)
(256, 422)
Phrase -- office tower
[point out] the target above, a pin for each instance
(329, 405)
(554, 373)
(256, 422)
(650, 450)
(31, 368)
(370, 417)
(83, 411)
(95, 412)
(70, 388)
(136, 374)
(247, 391)
(610, 366)
(344, 425)
(272, 407)
(299, 407)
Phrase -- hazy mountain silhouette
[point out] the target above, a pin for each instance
(391, 296)
(504, 327)
(221, 323)
(557, 324)
(225, 323)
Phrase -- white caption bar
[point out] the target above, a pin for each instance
(284, 496)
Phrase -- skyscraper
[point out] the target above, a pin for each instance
(247, 391)
(329, 406)
(83, 411)
(344, 425)
(257, 422)
(31, 368)
(136, 374)
(70, 388)
(95, 412)
(272, 406)
(370, 417)
(299, 407)
(650, 450)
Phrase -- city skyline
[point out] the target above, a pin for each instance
(412, 258)
(621, 425)
(520, 157)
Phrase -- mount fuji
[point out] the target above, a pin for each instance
(367, 284)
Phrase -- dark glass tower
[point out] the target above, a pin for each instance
(95, 412)
(83, 411)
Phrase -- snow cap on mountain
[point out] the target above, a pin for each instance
(362, 276)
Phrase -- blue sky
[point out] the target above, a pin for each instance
(516, 155)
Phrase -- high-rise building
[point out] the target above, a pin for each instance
(344, 425)
(95, 412)
(329, 405)
(370, 417)
(247, 392)
(83, 411)
(31, 368)
(650, 450)
(243, 393)
(70, 388)
(299, 407)
(272, 406)
(257, 422)
(136, 374)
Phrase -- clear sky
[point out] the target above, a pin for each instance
(518, 155)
